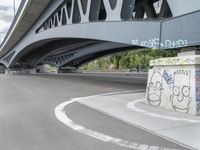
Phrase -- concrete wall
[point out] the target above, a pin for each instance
(175, 85)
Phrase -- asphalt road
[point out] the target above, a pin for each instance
(28, 122)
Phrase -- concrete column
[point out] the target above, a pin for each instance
(174, 83)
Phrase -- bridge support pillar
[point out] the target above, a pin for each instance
(174, 83)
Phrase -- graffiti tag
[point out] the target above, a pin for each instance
(155, 43)
(168, 78)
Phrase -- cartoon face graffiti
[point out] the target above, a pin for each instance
(180, 97)
(154, 89)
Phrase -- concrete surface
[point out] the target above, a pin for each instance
(28, 122)
(180, 128)
(173, 83)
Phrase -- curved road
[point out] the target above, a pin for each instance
(28, 122)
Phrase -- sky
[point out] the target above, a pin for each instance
(6, 15)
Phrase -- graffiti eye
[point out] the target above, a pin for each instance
(151, 84)
(158, 85)
(186, 91)
(176, 91)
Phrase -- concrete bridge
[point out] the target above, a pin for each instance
(69, 33)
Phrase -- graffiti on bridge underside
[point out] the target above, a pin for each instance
(152, 43)
(155, 43)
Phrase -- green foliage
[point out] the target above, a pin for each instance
(2, 70)
(100, 64)
(136, 59)
(116, 59)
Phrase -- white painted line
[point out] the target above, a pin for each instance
(62, 117)
(132, 106)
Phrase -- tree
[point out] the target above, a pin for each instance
(115, 59)
(138, 59)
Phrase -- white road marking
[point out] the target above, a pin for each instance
(62, 117)
(132, 106)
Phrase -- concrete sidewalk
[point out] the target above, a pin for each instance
(130, 107)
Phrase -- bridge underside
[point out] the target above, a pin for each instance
(71, 53)
(70, 33)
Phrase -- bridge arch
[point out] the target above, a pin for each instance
(80, 59)
(86, 32)
(62, 51)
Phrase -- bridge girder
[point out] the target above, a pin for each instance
(82, 55)
(85, 23)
